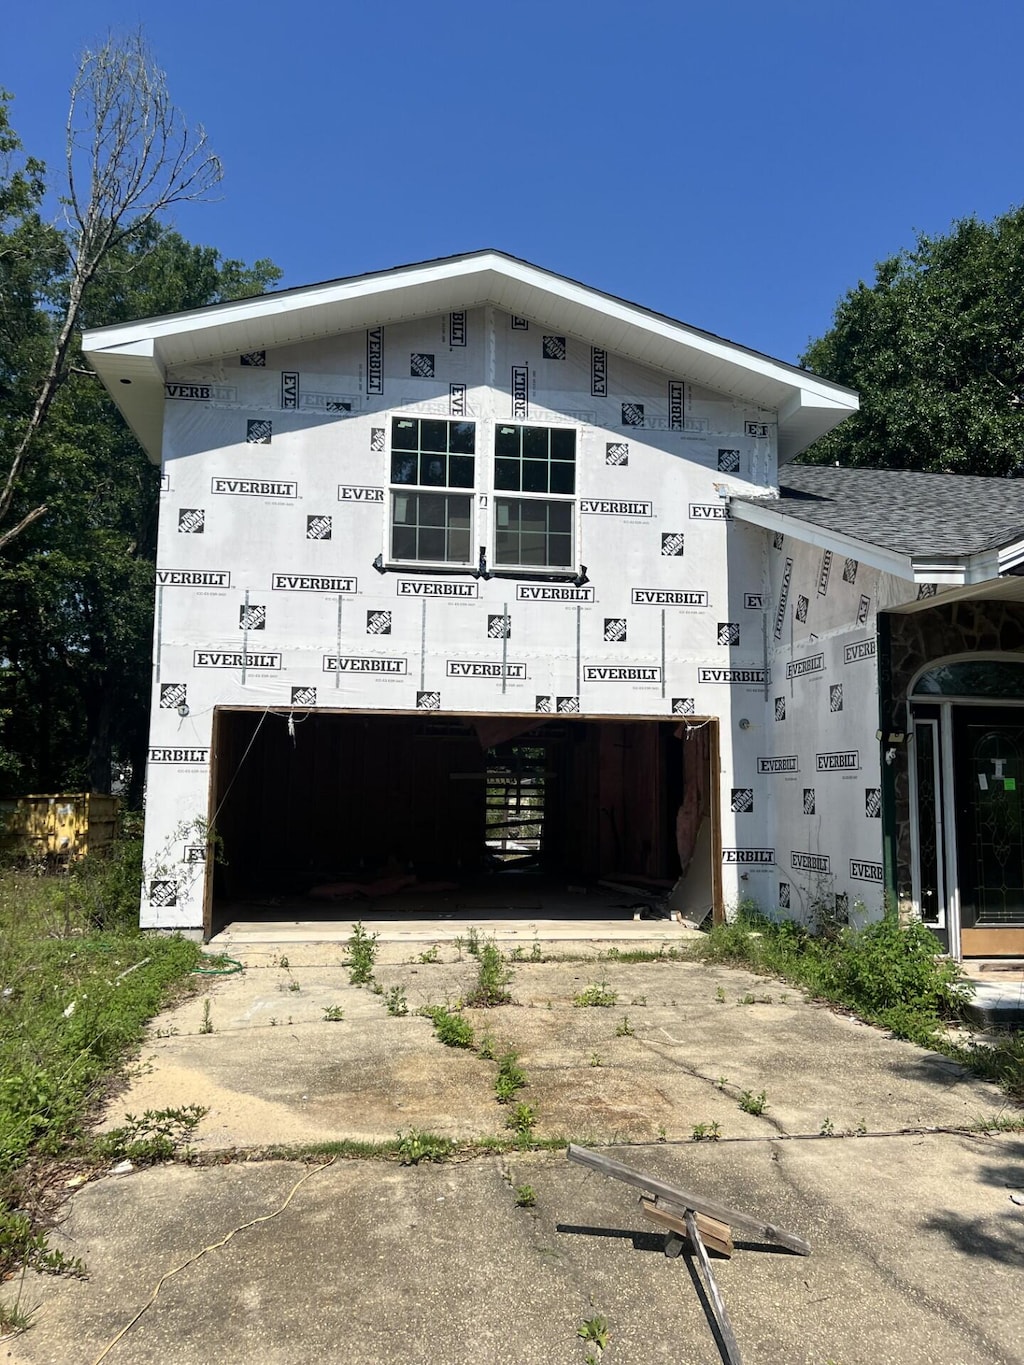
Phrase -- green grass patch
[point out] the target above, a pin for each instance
(887, 973)
(451, 1028)
(78, 983)
(493, 976)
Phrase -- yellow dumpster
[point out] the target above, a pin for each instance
(68, 825)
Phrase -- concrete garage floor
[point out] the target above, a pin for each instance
(918, 1246)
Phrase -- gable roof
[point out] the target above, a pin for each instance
(132, 359)
(953, 528)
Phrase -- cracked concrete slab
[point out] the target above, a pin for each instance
(916, 1241)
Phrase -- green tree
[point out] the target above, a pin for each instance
(76, 572)
(935, 347)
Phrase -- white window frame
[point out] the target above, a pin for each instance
(416, 490)
(513, 495)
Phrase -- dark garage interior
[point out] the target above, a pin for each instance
(319, 807)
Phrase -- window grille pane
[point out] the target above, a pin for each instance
(434, 436)
(432, 454)
(462, 438)
(461, 473)
(533, 533)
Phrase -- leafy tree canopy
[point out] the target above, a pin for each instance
(76, 585)
(935, 347)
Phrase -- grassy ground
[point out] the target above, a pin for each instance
(887, 974)
(77, 984)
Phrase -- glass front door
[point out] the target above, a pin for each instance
(988, 755)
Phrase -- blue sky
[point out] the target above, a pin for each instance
(735, 164)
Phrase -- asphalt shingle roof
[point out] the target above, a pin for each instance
(902, 509)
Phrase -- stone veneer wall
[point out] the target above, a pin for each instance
(916, 640)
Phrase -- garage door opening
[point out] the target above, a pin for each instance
(337, 814)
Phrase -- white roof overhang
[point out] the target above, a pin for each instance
(945, 570)
(132, 359)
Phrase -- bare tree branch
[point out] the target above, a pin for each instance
(130, 155)
(27, 520)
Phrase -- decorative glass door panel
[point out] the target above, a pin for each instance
(989, 763)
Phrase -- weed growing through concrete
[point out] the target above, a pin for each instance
(451, 1028)
(333, 1014)
(521, 1120)
(155, 1136)
(207, 1025)
(14, 1319)
(362, 953)
(598, 995)
(525, 1197)
(416, 1146)
(536, 955)
(595, 1059)
(827, 1128)
(753, 1104)
(595, 1330)
(485, 1047)
(293, 985)
(395, 1002)
(706, 1132)
(431, 955)
(624, 1029)
(492, 978)
(720, 996)
(510, 1078)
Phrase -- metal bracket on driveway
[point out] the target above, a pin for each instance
(701, 1222)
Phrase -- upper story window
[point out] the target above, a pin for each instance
(433, 474)
(535, 529)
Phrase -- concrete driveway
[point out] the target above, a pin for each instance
(862, 1147)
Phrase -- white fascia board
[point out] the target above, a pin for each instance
(1010, 556)
(811, 406)
(769, 518)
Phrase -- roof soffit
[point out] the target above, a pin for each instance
(808, 406)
